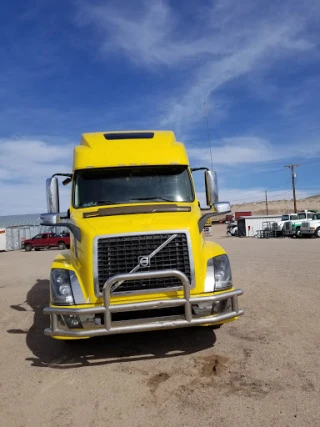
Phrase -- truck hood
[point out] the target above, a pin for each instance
(82, 253)
(138, 223)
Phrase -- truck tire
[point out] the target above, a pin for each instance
(317, 232)
(28, 247)
(298, 233)
(61, 246)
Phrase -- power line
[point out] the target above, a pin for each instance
(293, 177)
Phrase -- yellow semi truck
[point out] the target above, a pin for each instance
(138, 259)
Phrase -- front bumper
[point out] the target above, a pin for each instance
(307, 232)
(119, 327)
(288, 232)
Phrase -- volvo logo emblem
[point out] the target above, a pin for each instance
(144, 261)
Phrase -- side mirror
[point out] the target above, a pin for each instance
(50, 219)
(222, 207)
(212, 191)
(52, 189)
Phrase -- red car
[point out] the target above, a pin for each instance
(46, 240)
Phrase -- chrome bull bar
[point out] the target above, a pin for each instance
(109, 329)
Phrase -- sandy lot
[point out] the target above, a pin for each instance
(263, 370)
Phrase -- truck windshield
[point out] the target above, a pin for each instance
(97, 187)
(285, 218)
(304, 216)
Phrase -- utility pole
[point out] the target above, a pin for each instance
(267, 210)
(293, 176)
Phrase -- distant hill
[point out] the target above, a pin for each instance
(276, 207)
(279, 206)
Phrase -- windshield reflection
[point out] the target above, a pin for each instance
(107, 186)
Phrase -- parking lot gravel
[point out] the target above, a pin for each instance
(262, 370)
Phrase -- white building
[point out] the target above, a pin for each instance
(15, 228)
(248, 226)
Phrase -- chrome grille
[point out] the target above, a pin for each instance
(287, 225)
(305, 225)
(122, 254)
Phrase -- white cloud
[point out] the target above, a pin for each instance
(228, 41)
(26, 163)
(21, 198)
(237, 150)
(242, 195)
(246, 57)
(144, 34)
(24, 166)
(246, 150)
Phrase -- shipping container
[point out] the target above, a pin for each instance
(239, 214)
(2, 239)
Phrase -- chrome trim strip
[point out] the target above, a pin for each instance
(76, 288)
(99, 294)
(144, 324)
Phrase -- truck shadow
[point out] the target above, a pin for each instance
(114, 349)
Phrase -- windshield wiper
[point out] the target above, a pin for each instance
(105, 202)
(152, 198)
(98, 202)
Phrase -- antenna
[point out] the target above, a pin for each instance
(209, 139)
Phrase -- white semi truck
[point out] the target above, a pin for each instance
(293, 227)
(312, 227)
(285, 218)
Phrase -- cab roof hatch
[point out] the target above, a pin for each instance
(129, 135)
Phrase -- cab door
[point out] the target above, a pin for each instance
(53, 240)
(38, 241)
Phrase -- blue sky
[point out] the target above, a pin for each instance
(69, 67)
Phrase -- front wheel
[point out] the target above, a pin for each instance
(28, 248)
(61, 246)
(317, 232)
(298, 232)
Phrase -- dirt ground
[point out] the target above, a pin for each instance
(262, 370)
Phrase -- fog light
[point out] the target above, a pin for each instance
(72, 321)
(202, 309)
(210, 308)
(224, 306)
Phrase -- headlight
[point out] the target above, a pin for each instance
(222, 272)
(60, 287)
